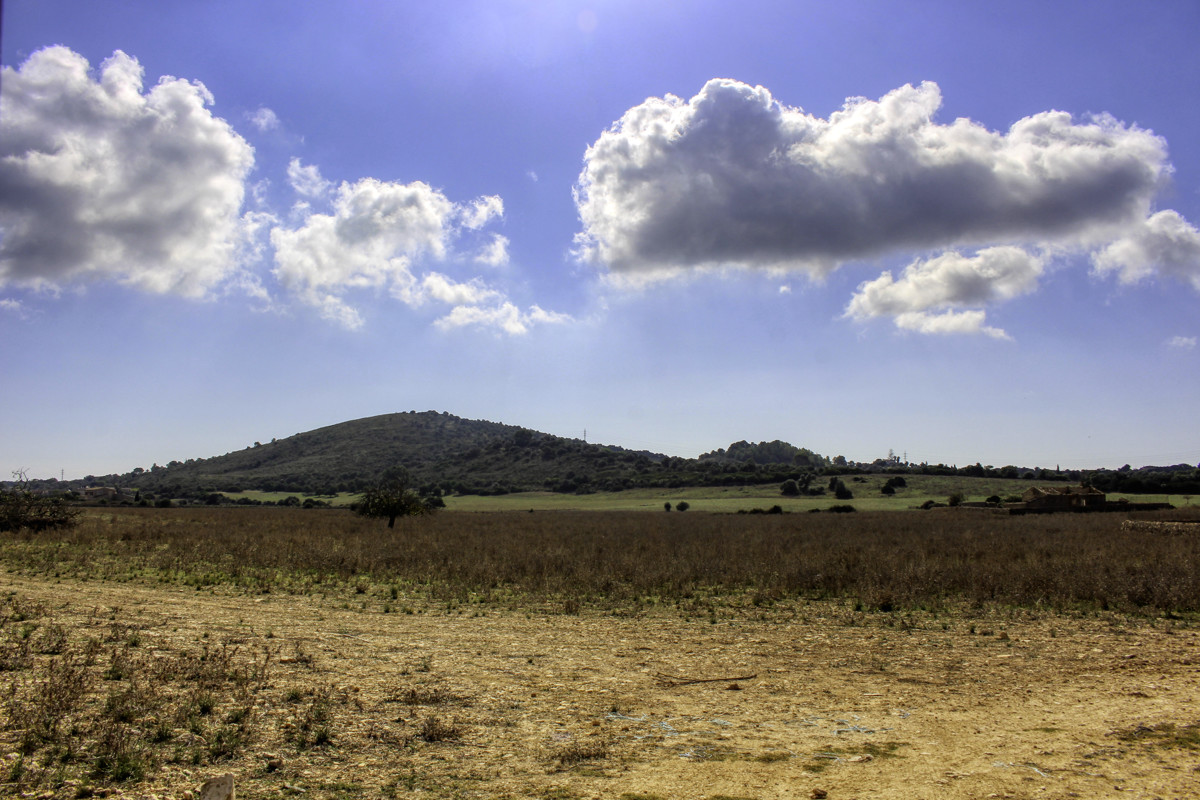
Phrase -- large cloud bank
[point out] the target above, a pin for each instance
(102, 180)
(732, 177)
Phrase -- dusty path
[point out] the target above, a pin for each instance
(858, 706)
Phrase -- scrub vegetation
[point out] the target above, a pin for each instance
(619, 560)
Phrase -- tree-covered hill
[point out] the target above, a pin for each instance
(445, 454)
(440, 450)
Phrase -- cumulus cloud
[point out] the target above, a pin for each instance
(1165, 244)
(307, 181)
(378, 236)
(100, 179)
(494, 253)
(734, 178)
(927, 293)
(369, 241)
(264, 119)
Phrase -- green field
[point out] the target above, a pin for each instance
(731, 499)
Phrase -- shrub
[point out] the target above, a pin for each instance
(21, 508)
(682, 505)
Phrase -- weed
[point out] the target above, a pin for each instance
(436, 729)
(581, 750)
(421, 696)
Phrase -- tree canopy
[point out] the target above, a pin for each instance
(392, 497)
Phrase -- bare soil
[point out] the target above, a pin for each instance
(786, 702)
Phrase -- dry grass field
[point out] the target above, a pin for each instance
(313, 655)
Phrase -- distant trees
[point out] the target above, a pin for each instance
(22, 508)
(839, 489)
(392, 498)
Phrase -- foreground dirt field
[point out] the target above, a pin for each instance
(808, 701)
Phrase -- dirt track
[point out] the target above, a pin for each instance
(855, 705)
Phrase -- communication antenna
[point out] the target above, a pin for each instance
(585, 434)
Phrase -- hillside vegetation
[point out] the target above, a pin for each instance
(449, 455)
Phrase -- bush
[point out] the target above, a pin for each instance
(790, 488)
(21, 508)
(682, 505)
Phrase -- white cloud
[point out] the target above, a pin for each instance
(307, 181)
(14, 307)
(370, 240)
(446, 290)
(734, 178)
(102, 180)
(948, 322)
(1164, 244)
(264, 119)
(482, 211)
(505, 317)
(494, 253)
(1182, 342)
(947, 282)
(377, 237)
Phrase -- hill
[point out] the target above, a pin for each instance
(440, 451)
(445, 454)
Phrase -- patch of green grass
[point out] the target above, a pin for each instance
(731, 499)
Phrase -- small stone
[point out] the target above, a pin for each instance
(818, 794)
(220, 788)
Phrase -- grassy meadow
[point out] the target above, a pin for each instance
(618, 560)
(731, 499)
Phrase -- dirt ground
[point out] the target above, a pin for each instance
(809, 701)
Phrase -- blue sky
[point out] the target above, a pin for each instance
(962, 231)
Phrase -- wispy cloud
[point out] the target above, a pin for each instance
(1182, 342)
(264, 119)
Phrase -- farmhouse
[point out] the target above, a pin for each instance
(95, 493)
(1063, 498)
(1049, 499)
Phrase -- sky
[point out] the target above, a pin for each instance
(962, 232)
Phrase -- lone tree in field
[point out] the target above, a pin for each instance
(392, 497)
